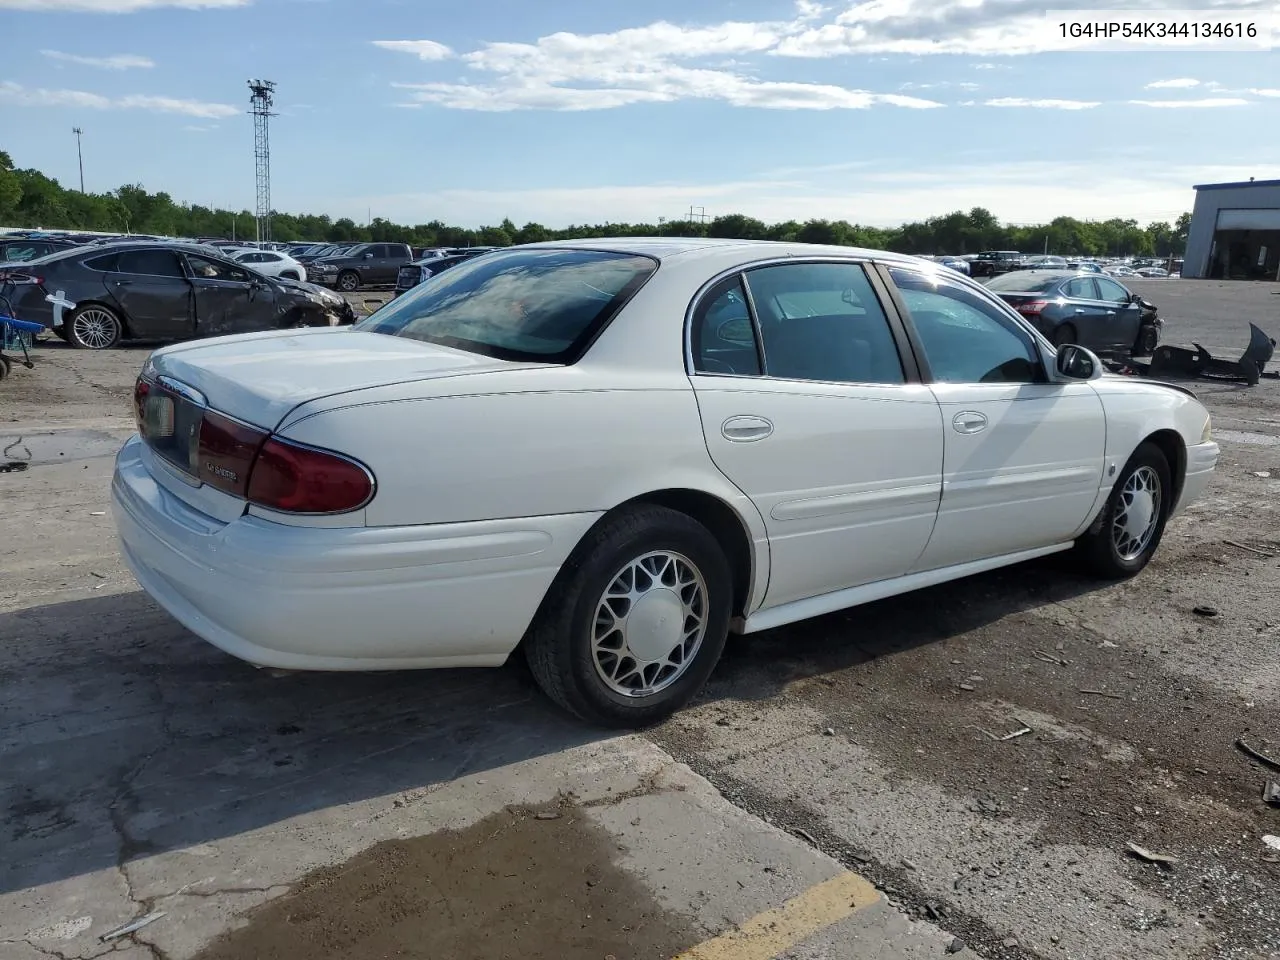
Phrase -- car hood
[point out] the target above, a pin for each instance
(260, 377)
(313, 290)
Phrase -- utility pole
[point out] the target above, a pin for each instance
(699, 214)
(262, 99)
(80, 155)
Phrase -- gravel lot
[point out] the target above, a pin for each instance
(872, 734)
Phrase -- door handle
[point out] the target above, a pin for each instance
(1111, 313)
(969, 422)
(1079, 309)
(745, 429)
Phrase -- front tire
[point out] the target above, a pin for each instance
(349, 281)
(636, 619)
(94, 327)
(1131, 525)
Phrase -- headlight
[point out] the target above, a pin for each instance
(1207, 433)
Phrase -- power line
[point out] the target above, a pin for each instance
(262, 99)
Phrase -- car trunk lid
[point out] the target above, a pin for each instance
(259, 378)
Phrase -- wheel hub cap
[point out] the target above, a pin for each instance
(649, 624)
(1136, 514)
(94, 328)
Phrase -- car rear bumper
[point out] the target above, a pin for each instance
(339, 598)
(1202, 460)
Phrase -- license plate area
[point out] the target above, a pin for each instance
(171, 424)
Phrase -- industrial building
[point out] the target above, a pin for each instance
(1235, 231)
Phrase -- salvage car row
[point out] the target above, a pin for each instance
(95, 296)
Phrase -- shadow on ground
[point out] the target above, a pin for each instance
(125, 735)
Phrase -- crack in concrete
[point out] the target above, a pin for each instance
(649, 784)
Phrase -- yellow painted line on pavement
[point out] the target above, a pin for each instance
(768, 934)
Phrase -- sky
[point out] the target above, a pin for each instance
(573, 111)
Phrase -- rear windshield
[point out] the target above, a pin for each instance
(1018, 282)
(535, 304)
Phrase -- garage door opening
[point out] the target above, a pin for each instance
(1245, 255)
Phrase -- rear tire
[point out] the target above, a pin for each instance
(1127, 534)
(588, 653)
(1064, 335)
(94, 327)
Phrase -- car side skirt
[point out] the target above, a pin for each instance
(786, 613)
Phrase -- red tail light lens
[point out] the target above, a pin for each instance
(299, 479)
(1032, 308)
(226, 453)
(141, 390)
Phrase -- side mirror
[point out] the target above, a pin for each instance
(1075, 362)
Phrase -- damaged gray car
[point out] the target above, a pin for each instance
(94, 297)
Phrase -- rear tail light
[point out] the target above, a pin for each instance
(295, 478)
(226, 451)
(249, 462)
(141, 390)
(1032, 308)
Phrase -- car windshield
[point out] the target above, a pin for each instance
(538, 304)
(1021, 282)
(355, 251)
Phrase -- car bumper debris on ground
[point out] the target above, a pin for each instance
(1023, 765)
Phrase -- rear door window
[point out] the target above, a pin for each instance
(1081, 288)
(722, 334)
(823, 321)
(150, 263)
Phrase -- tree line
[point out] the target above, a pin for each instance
(28, 198)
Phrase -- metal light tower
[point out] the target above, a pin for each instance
(80, 154)
(262, 99)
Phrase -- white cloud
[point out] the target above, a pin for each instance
(1265, 92)
(879, 194)
(115, 6)
(1181, 83)
(422, 49)
(568, 71)
(983, 28)
(1042, 104)
(1203, 102)
(200, 128)
(119, 61)
(40, 97)
(939, 85)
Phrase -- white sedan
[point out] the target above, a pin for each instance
(272, 263)
(615, 453)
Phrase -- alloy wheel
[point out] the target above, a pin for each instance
(1137, 514)
(95, 328)
(649, 624)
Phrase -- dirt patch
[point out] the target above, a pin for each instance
(528, 883)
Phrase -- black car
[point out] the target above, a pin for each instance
(992, 263)
(365, 264)
(94, 297)
(1094, 311)
(412, 274)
